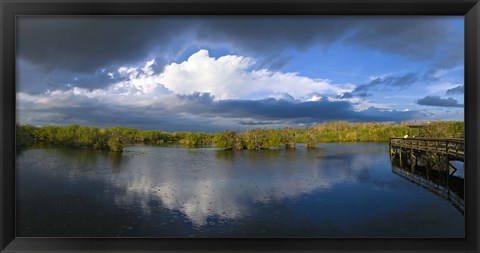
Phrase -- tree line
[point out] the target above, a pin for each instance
(115, 138)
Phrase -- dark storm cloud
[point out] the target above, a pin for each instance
(52, 51)
(86, 44)
(417, 38)
(456, 90)
(438, 101)
(278, 109)
(386, 82)
(272, 34)
(37, 81)
(83, 45)
(450, 53)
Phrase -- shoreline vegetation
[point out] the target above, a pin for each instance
(115, 138)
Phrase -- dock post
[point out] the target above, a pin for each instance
(412, 157)
(400, 154)
(390, 148)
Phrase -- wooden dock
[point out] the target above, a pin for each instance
(428, 163)
(452, 149)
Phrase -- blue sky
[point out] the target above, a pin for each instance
(196, 73)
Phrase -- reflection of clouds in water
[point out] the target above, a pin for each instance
(197, 198)
(225, 187)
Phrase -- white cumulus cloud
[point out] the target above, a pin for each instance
(231, 77)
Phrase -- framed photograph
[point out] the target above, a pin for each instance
(254, 126)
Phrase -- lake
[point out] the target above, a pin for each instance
(337, 190)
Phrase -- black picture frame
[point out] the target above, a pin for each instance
(9, 9)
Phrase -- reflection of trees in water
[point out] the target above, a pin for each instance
(228, 155)
(268, 159)
(433, 175)
(115, 159)
(353, 148)
(86, 159)
(83, 159)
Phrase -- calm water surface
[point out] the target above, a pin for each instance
(338, 190)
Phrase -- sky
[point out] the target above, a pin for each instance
(213, 73)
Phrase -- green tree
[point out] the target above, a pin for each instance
(289, 137)
(115, 143)
(24, 136)
(225, 140)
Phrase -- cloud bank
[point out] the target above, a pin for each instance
(456, 90)
(438, 101)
